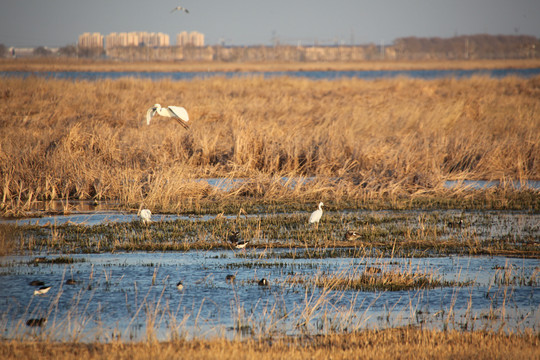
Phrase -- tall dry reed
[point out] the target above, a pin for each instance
(64, 139)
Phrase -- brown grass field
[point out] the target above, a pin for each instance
(385, 344)
(384, 139)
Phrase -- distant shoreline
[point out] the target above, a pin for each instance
(44, 65)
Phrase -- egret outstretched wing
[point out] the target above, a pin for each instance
(180, 114)
(150, 114)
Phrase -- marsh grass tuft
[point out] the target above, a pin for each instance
(375, 278)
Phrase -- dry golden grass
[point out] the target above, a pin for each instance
(385, 344)
(397, 137)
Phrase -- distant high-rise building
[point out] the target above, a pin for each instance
(91, 40)
(193, 38)
(139, 38)
(182, 39)
(196, 38)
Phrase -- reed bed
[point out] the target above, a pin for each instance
(365, 142)
(403, 343)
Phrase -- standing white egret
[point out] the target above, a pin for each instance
(178, 113)
(316, 215)
(180, 8)
(145, 215)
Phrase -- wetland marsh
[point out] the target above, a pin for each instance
(430, 260)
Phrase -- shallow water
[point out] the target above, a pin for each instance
(124, 295)
(314, 75)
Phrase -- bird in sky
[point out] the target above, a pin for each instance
(180, 8)
(176, 112)
(316, 215)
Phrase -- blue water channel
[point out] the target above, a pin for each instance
(314, 75)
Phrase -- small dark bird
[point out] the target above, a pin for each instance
(179, 286)
(372, 270)
(230, 278)
(36, 322)
(263, 282)
(352, 235)
(37, 283)
(71, 282)
(42, 290)
(456, 223)
(234, 237)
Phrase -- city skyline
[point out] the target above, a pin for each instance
(138, 38)
(241, 22)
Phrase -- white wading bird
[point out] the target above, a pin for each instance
(316, 215)
(178, 113)
(180, 8)
(145, 215)
(42, 290)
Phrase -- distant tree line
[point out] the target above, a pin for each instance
(481, 46)
(467, 47)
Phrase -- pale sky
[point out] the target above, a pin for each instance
(30, 23)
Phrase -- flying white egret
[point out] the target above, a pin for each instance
(144, 215)
(178, 113)
(316, 215)
(180, 8)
